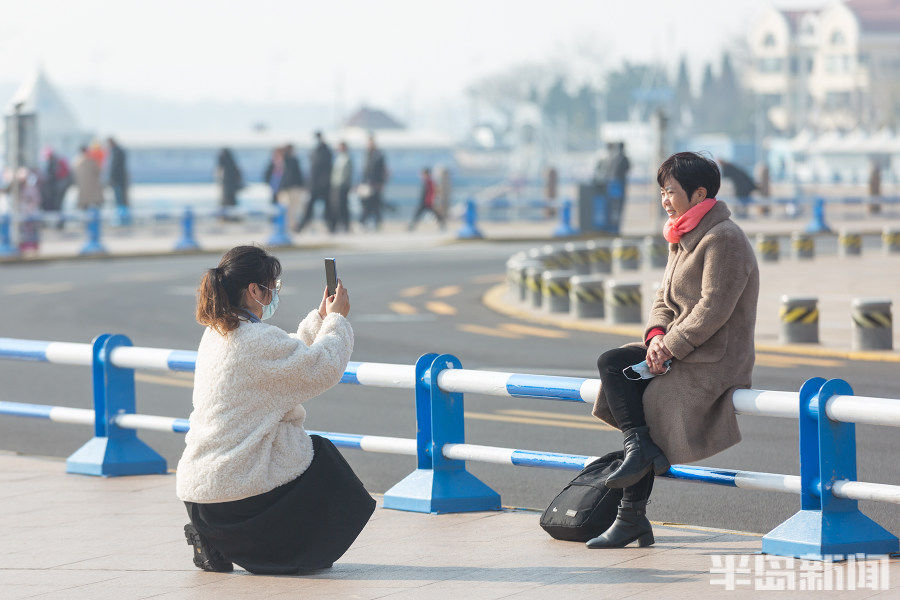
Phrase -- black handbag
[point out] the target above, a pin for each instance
(585, 508)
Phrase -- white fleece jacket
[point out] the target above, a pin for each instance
(247, 435)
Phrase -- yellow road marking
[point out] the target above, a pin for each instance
(403, 308)
(548, 415)
(785, 361)
(598, 426)
(482, 330)
(488, 278)
(536, 331)
(38, 288)
(447, 291)
(164, 380)
(441, 308)
(409, 292)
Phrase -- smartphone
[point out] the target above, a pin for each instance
(330, 276)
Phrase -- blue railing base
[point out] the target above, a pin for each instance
(105, 457)
(428, 491)
(812, 535)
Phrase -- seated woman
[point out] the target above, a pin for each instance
(259, 490)
(702, 321)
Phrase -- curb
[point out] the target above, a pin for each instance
(494, 300)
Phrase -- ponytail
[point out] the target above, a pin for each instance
(221, 289)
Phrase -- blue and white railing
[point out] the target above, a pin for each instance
(828, 524)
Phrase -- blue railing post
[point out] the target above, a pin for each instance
(439, 485)
(187, 241)
(7, 250)
(279, 235)
(826, 527)
(565, 229)
(470, 229)
(92, 226)
(113, 450)
(817, 224)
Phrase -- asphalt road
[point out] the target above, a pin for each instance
(404, 305)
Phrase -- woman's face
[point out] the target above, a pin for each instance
(675, 200)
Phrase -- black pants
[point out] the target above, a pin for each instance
(423, 208)
(310, 210)
(625, 400)
(339, 217)
(372, 207)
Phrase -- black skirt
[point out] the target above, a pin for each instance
(305, 524)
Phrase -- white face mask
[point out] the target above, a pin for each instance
(642, 371)
(270, 308)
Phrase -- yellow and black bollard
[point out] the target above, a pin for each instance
(803, 246)
(656, 252)
(533, 282)
(873, 325)
(890, 239)
(849, 244)
(767, 247)
(626, 255)
(799, 320)
(623, 302)
(579, 257)
(555, 287)
(601, 256)
(586, 297)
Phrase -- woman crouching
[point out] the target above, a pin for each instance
(259, 490)
(698, 347)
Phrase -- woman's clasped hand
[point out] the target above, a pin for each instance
(657, 355)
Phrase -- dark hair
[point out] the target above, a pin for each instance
(426, 171)
(219, 294)
(691, 171)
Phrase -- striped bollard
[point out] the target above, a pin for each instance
(803, 246)
(849, 244)
(579, 256)
(7, 250)
(113, 450)
(656, 252)
(601, 256)
(586, 297)
(522, 278)
(557, 257)
(187, 241)
(623, 302)
(626, 255)
(92, 227)
(280, 236)
(873, 326)
(439, 484)
(767, 246)
(512, 277)
(799, 320)
(533, 282)
(555, 287)
(890, 239)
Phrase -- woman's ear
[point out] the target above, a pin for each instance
(699, 195)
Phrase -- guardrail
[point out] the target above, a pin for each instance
(829, 523)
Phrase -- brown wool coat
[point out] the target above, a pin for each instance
(707, 306)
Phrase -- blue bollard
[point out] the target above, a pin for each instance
(565, 229)
(279, 235)
(470, 229)
(7, 250)
(187, 241)
(92, 228)
(123, 215)
(439, 484)
(826, 527)
(817, 224)
(113, 451)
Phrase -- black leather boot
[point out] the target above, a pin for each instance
(631, 524)
(205, 556)
(641, 455)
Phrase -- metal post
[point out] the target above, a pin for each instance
(439, 484)
(890, 238)
(586, 297)
(555, 286)
(799, 320)
(849, 244)
(470, 229)
(623, 302)
(768, 248)
(279, 235)
(187, 241)
(92, 227)
(533, 282)
(565, 229)
(579, 257)
(626, 255)
(113, 450)
(826, 527)
(601, 257)
(873, 324)
(656, 252)
(803, 245)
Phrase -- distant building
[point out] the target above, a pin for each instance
(372, 119)
(836, 67)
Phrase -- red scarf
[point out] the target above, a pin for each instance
(674, 229)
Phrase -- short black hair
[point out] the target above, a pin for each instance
(692, 172)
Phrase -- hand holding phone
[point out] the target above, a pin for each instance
(331, 279)
(340, 302)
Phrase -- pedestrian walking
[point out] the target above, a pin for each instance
(320, 163)
(290, 192)
(274, 172)
(373, 180)
(702, 320)
(341, 180)
(229, 180)
(426, 201)
(86, 170)
(259, 490)
(118, 173)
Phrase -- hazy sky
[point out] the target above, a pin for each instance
(377, 51)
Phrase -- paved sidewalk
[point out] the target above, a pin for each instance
(72, 537)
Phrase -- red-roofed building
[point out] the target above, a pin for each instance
(834, 67)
